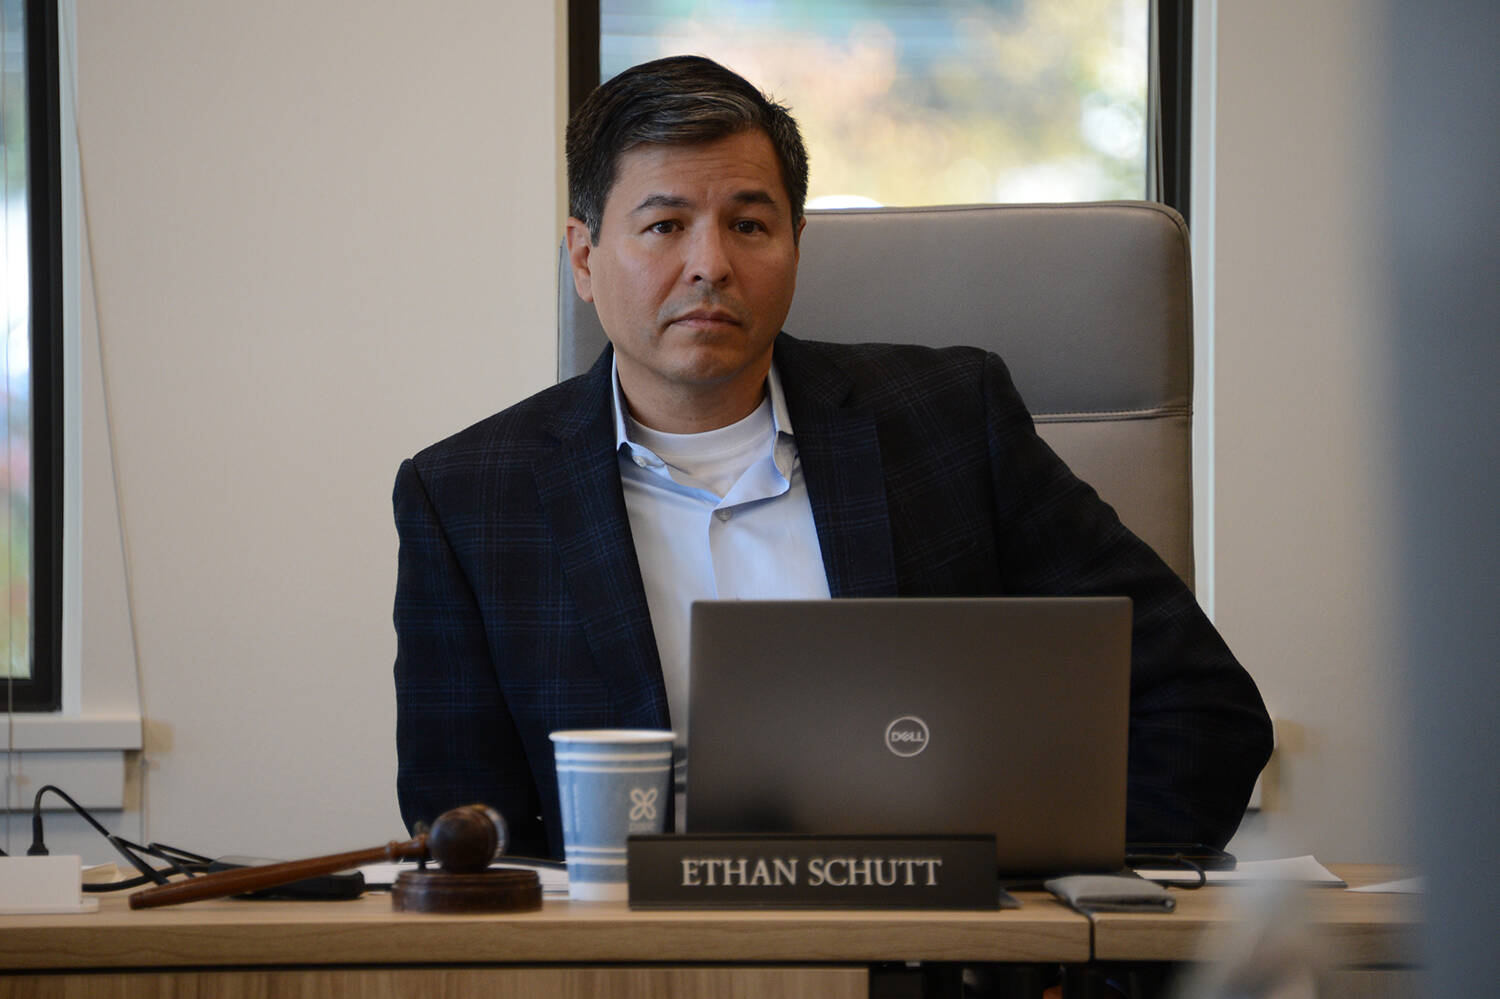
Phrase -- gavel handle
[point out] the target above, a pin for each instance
(246, 879)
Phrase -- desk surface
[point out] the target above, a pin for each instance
(1365, 929)
(1354, 928)
(366, 931)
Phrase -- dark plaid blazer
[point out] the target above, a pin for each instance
(520, 608)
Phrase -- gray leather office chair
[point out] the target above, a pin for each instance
(1090, 305)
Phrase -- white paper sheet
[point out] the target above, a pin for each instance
(1404, 886)
(1304, 870)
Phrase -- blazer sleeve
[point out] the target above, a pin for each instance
(1199, 733)
(456, 742)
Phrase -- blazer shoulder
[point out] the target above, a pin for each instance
(883, 358)
(518, 432)
(895, 371)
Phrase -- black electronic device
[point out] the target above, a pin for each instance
(1006, 716)
(324, 887)
(1192, 855)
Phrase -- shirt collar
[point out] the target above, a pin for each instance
(780, 417)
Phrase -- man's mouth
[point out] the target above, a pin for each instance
(707, 317)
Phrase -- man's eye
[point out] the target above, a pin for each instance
(749, 226)
(664, 226)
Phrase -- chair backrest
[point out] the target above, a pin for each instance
(1089, 304)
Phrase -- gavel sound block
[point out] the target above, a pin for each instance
(463, 841)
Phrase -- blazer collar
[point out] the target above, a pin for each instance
(839, 444)
(579, 485)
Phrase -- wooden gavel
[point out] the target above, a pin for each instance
(463, 840)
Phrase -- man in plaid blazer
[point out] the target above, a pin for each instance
(520, 606)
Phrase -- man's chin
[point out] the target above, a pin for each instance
(708, 373)
(710, 360)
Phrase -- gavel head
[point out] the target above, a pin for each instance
(466, 840)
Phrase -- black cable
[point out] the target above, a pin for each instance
(127, 849)
(178, 861)
(118, 885)
(38, 848)
(187, 856)
(1143, 859)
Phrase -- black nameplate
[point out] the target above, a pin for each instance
(812, 872)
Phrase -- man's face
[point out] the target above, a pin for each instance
(692, 277)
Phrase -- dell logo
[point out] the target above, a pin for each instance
(906, 736)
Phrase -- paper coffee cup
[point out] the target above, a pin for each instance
(611, 783)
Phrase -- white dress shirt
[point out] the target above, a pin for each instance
(719, 515)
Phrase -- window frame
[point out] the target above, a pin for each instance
(42, 691)
(1172, 48)
(1169, 153)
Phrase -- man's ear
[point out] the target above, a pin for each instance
(577, 235)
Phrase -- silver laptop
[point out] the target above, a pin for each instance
(916, 716)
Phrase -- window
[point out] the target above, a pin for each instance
(30, 413)
(965, 101)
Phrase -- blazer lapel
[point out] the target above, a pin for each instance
(581, 496)
(840, 451)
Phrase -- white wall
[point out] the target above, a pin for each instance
(1302, 456)
(323, 237)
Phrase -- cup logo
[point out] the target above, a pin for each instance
(906, 736)
(642, 804)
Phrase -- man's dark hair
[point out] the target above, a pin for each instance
(680, 100)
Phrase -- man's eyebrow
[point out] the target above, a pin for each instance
(755, 197)
(752, 196)
(662, 201)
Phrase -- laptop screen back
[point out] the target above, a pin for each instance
(916, 716)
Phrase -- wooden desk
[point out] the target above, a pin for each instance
(1365, 944)
(362, 948)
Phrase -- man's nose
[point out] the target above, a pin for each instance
(708, 258)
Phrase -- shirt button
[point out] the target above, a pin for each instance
(641, 461)
(723, 514)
